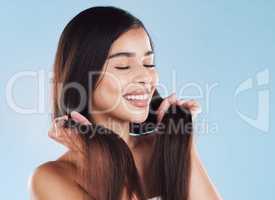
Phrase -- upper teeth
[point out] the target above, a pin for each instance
(138, 97)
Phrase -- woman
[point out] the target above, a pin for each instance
(104, 69)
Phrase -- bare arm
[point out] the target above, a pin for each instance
(201, 186)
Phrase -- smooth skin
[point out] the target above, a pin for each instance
(58, 179)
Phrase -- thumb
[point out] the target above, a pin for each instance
(79, 118)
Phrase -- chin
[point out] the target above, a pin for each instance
(135, 114)
(138, 118)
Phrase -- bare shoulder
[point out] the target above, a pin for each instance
(50, 171)
(51, 180)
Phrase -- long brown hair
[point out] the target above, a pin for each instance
(110, 168)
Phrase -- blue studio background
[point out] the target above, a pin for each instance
(218, 52)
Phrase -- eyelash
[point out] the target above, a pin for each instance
(127, 67)
(149, 65)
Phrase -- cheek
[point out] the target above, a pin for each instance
(108, 94)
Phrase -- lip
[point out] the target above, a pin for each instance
(140, 103)
(138, 92)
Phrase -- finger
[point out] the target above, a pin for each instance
(184, 102)
(165, 104)
(181, 102)
(66, 137)
(60, 118)
(57, 125)
(79, 118)
(59, 121)
(55, 132)
(52, 134)
(190, 104)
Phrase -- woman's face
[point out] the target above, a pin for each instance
(128, 80)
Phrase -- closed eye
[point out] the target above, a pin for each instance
(126, 67)
(149, 65)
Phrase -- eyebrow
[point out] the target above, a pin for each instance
(129, 54)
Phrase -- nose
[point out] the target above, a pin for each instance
(143, 77)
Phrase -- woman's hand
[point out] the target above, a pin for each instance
(66, 136)
(192, 105)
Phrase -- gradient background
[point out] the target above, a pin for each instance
(205, 43)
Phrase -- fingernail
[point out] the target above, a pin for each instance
(74, 112)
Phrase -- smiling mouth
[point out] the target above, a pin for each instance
(140, 100)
